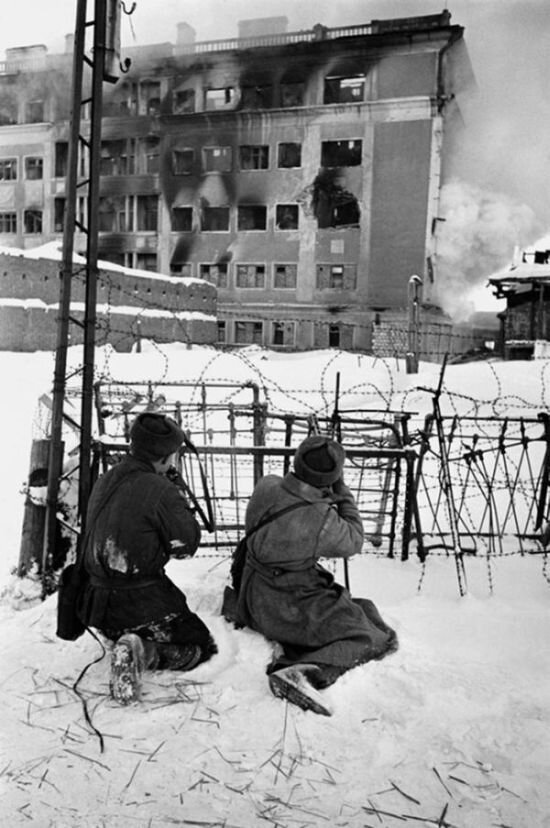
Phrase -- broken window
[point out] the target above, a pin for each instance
(285, 276)
(341, 153)
(147, 212)
(34, 112)
(254, 157)
(215, 273)
(34, 168)
(182, 219)
(334, 336)
(182, 161)
(151, 154)
(293, 94)
(124, 100)
(283, 333)
(219, 98)
(221, 332)
(58, 214)
(290, 155)
(117, 157)
(149, 96)
(184, 101)
(116, 214)
(248, 333)
(146, 261)
(344, 89)
(336, 276)
(8, 222)
(250, 276)
(286, 216)
(184, 269)
(256, 96)
(217, 159)
(8, 169)
(332, 204)
(252, 217)
(61, 159)
(8, 110)
(32, 221)
(215, 219)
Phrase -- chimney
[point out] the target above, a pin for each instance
(185, 37)
(259, 26)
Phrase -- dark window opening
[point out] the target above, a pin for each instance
(217, 159)
(286, 216)
(8, 169)
(8, 111)
(34, 168)
(290, 155)
(215, 219)
(215, 273)
(34, 112)
(293, 94)
(32, 221)
(182, 219)
(149, 97)
(333, 205)
(333, 336)
(282, 333)
(58, 214)
(146, 261)
(117, 157)
(285, 276)
(344, 90)
(182, 161)
(124, 100)
(256, 97)
(250, 276)
(252, 217)
(248, 333)
(221, 332)
(8, 222)
(341, 153)
(184, 269)
(254, 157)
(147, 212)
(184, 101)
(61, 159)
(219, 98)
(151, 154)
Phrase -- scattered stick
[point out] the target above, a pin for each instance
(88, 758)
(442, 782)
(131, 779)
(406, 795)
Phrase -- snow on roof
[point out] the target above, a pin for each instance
(523, 272)
(54, 251)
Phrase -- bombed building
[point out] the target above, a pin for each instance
(298, 172)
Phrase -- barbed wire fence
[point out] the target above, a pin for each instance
(465, 477)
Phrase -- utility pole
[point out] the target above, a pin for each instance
(102, 63)
(414, 288)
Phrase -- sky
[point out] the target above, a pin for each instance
(499, 199)
(455, 723)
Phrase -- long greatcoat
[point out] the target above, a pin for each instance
(136, 521)
(285, 593)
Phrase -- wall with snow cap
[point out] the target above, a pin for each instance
(131, 304)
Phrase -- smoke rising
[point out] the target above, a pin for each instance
(477, 237)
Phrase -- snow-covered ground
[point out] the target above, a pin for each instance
(452, 730)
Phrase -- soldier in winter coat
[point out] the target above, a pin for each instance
(137, 520)
(285, 593)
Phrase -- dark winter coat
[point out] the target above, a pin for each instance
(288, 596)
(136, 521)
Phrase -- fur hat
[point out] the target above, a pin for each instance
(155, 435)
(319, 461)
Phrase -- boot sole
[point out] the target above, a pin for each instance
(283, 689)
(125, 681)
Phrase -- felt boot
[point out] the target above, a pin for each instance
(127, 665)
(291, 683)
